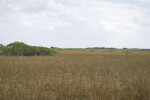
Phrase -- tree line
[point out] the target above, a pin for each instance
(22, 49)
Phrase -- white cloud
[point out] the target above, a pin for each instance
(145, 1)
(91, 21)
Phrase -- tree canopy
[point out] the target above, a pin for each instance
(22, 49)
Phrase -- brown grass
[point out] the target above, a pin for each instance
(76, 75)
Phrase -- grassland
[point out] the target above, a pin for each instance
(76, 75)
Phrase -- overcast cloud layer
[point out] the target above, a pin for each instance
(76, 23)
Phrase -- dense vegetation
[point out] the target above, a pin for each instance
(127, 50)
(22, 49)
(76, 75)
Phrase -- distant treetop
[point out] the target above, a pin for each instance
(22, 49)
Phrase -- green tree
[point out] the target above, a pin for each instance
(22, 49)
(16, 48)
(3, 49)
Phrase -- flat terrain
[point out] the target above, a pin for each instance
(76, 75)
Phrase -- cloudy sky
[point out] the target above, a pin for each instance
(76, 23)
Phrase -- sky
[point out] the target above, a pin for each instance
(76, 23)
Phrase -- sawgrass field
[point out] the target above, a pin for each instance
(76, 75)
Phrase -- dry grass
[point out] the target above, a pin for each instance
(76, 75)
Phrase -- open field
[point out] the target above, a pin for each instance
(76, 75)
